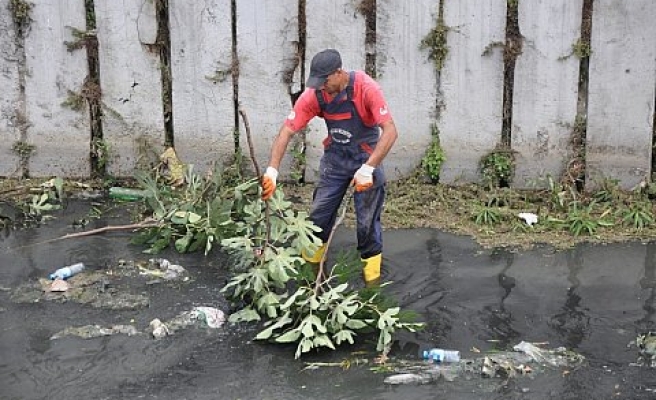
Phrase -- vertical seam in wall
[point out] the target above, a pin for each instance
(368, 9)
(235, 75)
(21, 24)
(164, 43)
(301, 51)
(577, 165)
(97, 149)
(439, 98)
(512, 50)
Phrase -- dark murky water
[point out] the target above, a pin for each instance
(594, 300)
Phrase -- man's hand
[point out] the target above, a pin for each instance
(364, 178)
(269, 183)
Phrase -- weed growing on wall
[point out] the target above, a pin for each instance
(497, 168)
(434, 157)
(436, 44)
(20, 11)
(23, 149)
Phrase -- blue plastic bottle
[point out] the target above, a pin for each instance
(441, 355)
(67, 272)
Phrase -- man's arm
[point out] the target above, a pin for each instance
(385, 143)
(279, 146)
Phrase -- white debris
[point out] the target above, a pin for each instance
(529, 218)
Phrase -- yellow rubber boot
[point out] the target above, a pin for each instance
(316, 257)
(371, 270)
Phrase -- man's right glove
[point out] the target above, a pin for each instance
(364, 178)
(269, 183)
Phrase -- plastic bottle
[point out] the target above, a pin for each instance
(441, 355)
(67, 272)
(128, 194)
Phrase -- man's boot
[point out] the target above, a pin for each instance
(371, 270)
(316, 257)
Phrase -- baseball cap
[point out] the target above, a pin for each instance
(323, 64)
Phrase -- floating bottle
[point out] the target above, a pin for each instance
(441, 355)
(67, 272)
(127, 194)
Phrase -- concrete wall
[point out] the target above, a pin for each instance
(621, 94)
(545, 88)
(402, 25)
(472, 86)
(202, 98)
(465, 99)
(131, 85)
(9, 95)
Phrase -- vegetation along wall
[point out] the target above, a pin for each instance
(556, 89)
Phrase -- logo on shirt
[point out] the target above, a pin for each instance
(291, 115)
(383, 110)
(340, 135)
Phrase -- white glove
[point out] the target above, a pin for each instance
(364, 178)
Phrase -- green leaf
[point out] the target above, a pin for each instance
(323, 341)
(182, 244)
(244, 315)
(193, 217)
(355, 324)
(289, 336)
(344, 335)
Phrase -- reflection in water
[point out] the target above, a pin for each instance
(572, 322)
(500, 320)
(648, 282)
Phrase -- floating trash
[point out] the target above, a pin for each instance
(94, 331)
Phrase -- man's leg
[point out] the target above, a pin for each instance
(368, 209)
(328, 195)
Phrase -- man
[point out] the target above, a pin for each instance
(360, 134)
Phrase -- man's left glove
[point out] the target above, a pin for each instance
(269, 183)
(364, 178)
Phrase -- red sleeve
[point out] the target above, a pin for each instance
(305, 108)
(370, 101)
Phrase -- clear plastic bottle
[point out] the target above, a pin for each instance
(67, 272)
(441, 355)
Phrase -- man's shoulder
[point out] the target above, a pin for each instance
(364, 83)
(308, 97)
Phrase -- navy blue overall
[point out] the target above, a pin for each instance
(347, 146)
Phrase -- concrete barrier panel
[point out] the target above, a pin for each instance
(60, 134)
(407, 77)
(133, 122)
(9, 95)
(201, 62)
(621, 92)
(268, 37)
(331, 24)
(545, 89)
(472, 86)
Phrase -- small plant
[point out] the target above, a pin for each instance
(608, 191)
(486, 214)
(436, 44)
(100, 151)
(23, 149)
(300, 160)
(74, 101)
(581, 219)
(20, 11)
(49, 198)
(434, 157)
(638, 215)
(582, 49)
(497, 168)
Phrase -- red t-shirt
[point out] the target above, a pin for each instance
(367, 96)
